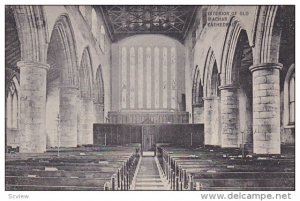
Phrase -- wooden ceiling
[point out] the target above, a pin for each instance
(171, 20)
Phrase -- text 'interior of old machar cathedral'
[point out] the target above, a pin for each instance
(150, 98)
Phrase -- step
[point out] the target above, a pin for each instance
(149, 185)
(150, 188)
(148, 179)
(148, 176)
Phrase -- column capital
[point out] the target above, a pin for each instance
(228, 87)
(262, 66)
(33, 64)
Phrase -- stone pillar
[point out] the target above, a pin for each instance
(99, 112)
(211, 121)
(85, 122)
(52, 110)
(33, 76)
(207, 120)
(229, 116)
(215, 122)
(68, 116)
(198, 116)
(266, 108)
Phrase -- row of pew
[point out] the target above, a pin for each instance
(216, 169)
(92, 168)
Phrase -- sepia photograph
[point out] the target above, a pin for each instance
(150, 98)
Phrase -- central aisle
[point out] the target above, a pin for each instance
(148, 177)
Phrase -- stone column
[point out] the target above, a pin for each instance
(198, 110)
(33, 76)
(68, 116)
(229, 116)
(208, 103)
(211, 121)
(85, 122)
(266, 108)
(215, 122)
(99, 112)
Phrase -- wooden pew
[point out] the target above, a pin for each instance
(183, 167)
(111, 169)
(57, 181)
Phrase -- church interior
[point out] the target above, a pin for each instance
(149, 98)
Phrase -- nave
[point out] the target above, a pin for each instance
(91, 89)
(97, 168)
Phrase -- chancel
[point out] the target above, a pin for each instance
(149, 97)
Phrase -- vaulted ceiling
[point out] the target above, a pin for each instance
(123, 21)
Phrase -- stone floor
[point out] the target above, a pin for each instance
(148, 177)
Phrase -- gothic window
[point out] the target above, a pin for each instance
(197, 90)
(292, 99)
(100, 87)
(215, 82)
(289, 97)
(12, 105)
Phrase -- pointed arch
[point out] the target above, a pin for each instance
(61, 54)
(62, 84)
(268, 34)
(99, 95)
(210, 64)
(32, 26)
(197, 88)
(12, 99)
(229, 49)
(86, 74)
(211, 100)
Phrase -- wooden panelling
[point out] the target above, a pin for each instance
(121, 134)
(152, 117)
